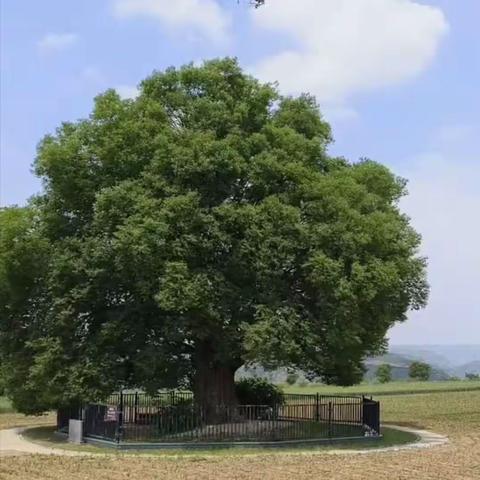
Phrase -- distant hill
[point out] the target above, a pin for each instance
(470, 367)
(400, 365)
(446, 361)
(445, 356)
(423, 355)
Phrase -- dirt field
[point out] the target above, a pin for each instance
(455, 414)
(10, 420)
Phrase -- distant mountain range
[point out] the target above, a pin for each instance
(455, 360)
(470, 367)
(400, 365)
(451, 354)
(446, 361)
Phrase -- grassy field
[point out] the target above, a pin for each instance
(10, 419)
(5, 405)
(393, 388)
(456, 414)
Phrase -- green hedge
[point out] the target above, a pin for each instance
(257, 391)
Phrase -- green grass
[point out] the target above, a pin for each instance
(451, 413)
(9, 418)
(433, 405)
(46, 436)
(392, 388)
(6, 406)
(391, 437)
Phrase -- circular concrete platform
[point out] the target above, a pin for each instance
(12, 442)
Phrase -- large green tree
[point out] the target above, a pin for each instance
(420, 371)
(384, 373)
(200, 226)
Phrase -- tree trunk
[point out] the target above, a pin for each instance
(214, 385)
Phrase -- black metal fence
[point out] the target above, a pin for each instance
(64, 415)
(174, 417)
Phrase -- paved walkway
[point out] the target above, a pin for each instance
(12, 442)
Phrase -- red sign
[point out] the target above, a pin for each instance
(111, 415)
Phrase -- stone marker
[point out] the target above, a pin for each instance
(75, 431)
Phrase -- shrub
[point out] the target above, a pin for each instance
(292, 378)
(257, 391)
(472, 376)
(419, 371)
(384, 373)
(180, 417)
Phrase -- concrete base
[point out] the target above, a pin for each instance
(12, 443)
(214, 445)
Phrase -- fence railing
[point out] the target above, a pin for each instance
(174, 417)
(64, 415)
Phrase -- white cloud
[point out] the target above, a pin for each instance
(199, 17)
(57, 41)
(341, 47)
(443, 203)
(339, 113)
(127, 91)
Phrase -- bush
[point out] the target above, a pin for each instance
(384, 373)
(292, 378)
(177, 418)
(257, 391)
(419, 371)
(472, 376)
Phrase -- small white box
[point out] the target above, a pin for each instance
(75, 431)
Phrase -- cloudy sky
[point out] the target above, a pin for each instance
(398, 79)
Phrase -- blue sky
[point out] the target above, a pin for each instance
(398, 79)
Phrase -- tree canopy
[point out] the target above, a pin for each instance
(419, 371)
(198, 227)
(384, 373)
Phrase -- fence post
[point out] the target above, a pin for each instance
(136, 408)
(317, 410)
(377, 423)
(330, 419)
(120, 419)
(363, 410)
